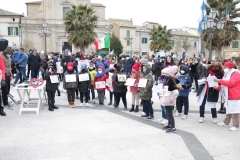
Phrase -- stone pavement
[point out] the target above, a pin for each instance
(104, 133)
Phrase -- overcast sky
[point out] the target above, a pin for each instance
(173, 13)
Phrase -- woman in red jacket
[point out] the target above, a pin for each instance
(2, 75)
(230, 86)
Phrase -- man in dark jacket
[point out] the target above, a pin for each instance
(128, 66)
(199, 73)
(66, 59)
(34, 61)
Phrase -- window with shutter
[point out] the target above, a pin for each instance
(128, 33)
(235, 44)
(128, 42)
(173, 43)
(9, 31)
(16, 29)
(195, 44)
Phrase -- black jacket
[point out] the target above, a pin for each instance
(67, 59)
(49, 85)
(119, 87)
(213, 94)
(34, 61)
(45, 64)
(84, 86)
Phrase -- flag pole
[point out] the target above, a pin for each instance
(224, 40)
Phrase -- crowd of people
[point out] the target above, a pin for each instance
(174, 79)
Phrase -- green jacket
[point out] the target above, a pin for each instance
(146, 93)
(70, 84)
(92, 75)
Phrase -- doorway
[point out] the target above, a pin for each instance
(66, 45)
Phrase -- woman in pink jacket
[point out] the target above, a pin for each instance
(2, 75)
(134, 89)
(230, 87)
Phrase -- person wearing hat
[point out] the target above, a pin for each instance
(66, 59)
(6, 56)
(230, 86)
(70, 86)
(93, 72)
(34, 61)
(134, 89)
(51, 86)
(169, 100)
(102, 62)
(208, 96)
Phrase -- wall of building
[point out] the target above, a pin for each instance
(32, 8)
(5, 22)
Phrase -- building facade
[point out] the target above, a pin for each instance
(53, 12)
(9, 27)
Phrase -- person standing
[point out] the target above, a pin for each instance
(34, 61)
(230, 86)
(84, 86)
(51, 87)
(119, 88)
(21, 63)
(2, 76)
(128, 66)
(6, 56)
(66, 59)
(145, 94)
(70, 86)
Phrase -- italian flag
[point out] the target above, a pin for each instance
(103, 42)
(227, 14)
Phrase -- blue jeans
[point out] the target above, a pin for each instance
(164, 112)
(147, 106)
(22, 72)
(202, 108)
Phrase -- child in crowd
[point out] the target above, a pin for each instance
(185, 89)
(84, 86)
(51, 86)
(120, 89)
(110, 86)
(70, 86)
(93, 73)
(145, 94)
(100, 88)
(171, 94)
(134, 89)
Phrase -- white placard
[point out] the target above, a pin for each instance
(83, 77)
(130, 82)
(81, 62)
(54, 78)
(211, 82)
(71, 78)
(163, 90)
(201, 81)
(142, 83)
(122, 78)
(100, 84)
(111, 66)
(59, 67)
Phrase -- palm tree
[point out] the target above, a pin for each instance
(220, 39)
(160, 38)
(80, 23)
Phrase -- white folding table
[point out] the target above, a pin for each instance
(26, 92)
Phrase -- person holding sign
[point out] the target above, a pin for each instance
(134, 89)
(52, 82)
(84, 84)
(145, 93)
(230, 86)
(120, 89)
(70, 83)
(208, 95)
(100, 84)
(169, 96)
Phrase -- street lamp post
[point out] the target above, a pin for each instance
(44, 32)
(210, 24)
